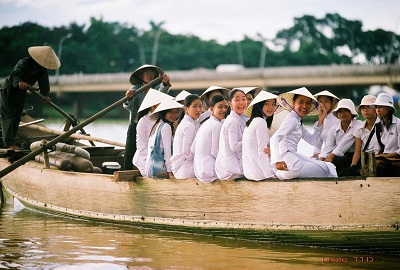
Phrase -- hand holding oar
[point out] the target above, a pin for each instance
(48, 145)
(71, 118)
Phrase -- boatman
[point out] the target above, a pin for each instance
(27, 72)
(141, 76)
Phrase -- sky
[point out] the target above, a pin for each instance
(221, 20)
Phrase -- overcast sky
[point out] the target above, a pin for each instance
(222, 20)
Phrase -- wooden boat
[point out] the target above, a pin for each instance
(360, 214)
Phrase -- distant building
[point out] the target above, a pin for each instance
(229, 67)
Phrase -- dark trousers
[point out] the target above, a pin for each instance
(11, 108)
(130, 146)
(343, 162)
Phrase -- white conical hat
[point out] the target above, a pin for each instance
(44, 56)
(182, 95)
(135, 79)
(248, 89)
(262, 96)
(225, 91)
(153, 97)
(285, 100)
(166, 104)
(346, 104)
(328, 94)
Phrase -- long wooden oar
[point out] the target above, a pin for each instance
(51, 143)
(70, 117)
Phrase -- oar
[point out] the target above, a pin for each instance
(71, 118)
(51, 143)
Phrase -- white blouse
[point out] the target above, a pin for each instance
(229, 158)
(166, 144)
(182, 158)
(256, 164)
(391, 137)
(143, 130)
(363, 133)
(329, 122)
(340, 142)
(284, 145)
(206, 148)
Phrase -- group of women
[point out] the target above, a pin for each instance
(234, 138)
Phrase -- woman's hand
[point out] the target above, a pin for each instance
(129, 92)
(322, 113)
(281, 166)
(171, 175)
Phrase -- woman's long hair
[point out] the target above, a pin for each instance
(257, 112)
(141, 114)
(161, 116)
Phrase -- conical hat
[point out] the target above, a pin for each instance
(285, 100)
(248, 89)
(328, 94)
(182, 95)
(44, 56)
(135, 79)
(262, 96)
(153, 97)
(166, 104)
(225, 91)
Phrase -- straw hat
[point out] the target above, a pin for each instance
(182, 95)
(346, 104)
(367, 100)
(225, 91)
(384, 99)
(44, 56)
(285, 100)
(135, 79)
(153, 97)
(166, 104)
(248, 89)
(262, 96)
(328, 94)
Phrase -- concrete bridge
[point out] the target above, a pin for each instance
(267, 78)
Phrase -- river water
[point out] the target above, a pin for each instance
(30, 240)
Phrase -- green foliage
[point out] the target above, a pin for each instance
(106, 47)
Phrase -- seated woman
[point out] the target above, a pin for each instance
(329, 101)
(288, 163)
(339, 145)
(143, 128)
(182, 158)
(206, 98)
(388, 136)
(158, 164)
(255, 144)
(206, 145)
(229, 165)
(365, 136)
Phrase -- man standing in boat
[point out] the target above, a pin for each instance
(139, 77)
(26, 73)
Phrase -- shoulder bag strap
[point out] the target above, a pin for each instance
(378, 136)
(158, 134)
(369, 139)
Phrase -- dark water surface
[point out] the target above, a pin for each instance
(30, 240)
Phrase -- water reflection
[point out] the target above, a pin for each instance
(31, 240)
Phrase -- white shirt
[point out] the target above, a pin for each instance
(166, 144)
(390, 137)
(206, 148)
(182, 158)
(284, 144)
(363, 133)
(256, 164)
(143, 130)
(329, 122)
(340, 142)
(204, 115)
(229, 158)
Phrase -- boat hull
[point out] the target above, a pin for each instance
(356, 212)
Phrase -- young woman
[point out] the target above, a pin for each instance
(365, 136)
(329, 101)
(206, 145)
(228, 165)
(161, 138)
(287, 162)
(143, 128)
(339, 145)
(250, 92)
(182, 158)
(388, 136)
(256, 162)
(206, 98)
